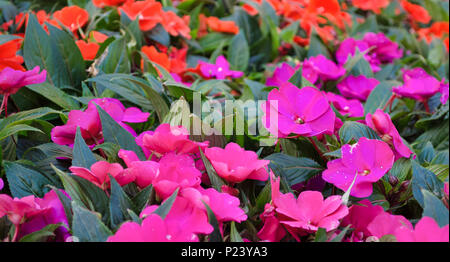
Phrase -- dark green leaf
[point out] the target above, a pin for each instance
(354, 131)
(119, 203)
(82, 155)
(424, 179)
(87, 227)
(434, 208)
(24, 181)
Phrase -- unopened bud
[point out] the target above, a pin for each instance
(393, 180)
(404, 186)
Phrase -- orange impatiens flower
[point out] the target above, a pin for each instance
(371, 5)
(417, 13)
(103, 3)
(88, 50)
(98, 37)
(149, 12)
(153, 55)
(438, 30)
(175, 25)
(217, 25)
(73, 17)
(8, 56)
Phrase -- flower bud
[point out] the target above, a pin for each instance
(381, 122)
(393, 180)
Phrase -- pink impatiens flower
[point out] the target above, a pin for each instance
(386, 224)
(143, 171)
(358, 87)
(219, 70)
(308, 212)
(283, 73)
(417, 85)
(12, 80)
(349, 107)
(272, 230)
(426, 230)
(98, 175)
(175, 171)
(368, 159)
(382, 124)
(359, 217)
(305, 112)
(90, 124)
(167, 138)
(319, 67)
(236, 164)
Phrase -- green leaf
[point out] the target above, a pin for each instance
(341, 235)
(7, 38)
(41, 235)
(239, 53)
(296, 78)
(116, 60)
(354, 131)
(9, 131)
(165, 207)
(316, 46)
(116, 134)
(234, 234)
(119, 203)
(67, 205)
(55, 95)
(434, 208)
(70, 53)
(295, 170)
(441, 171)
(215, 236)
(24, 181)
(427, 154)
(142, 198)
(82, 155)
(424, 179)
(39, 50)
(379, 96)
(321, 235)
(87, 227)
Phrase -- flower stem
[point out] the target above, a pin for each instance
(389, 102)
(5, 105)
(317, 149)
(16, 234)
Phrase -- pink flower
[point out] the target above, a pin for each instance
(143, 171)
(220, 69)
(368, 159)
(272, 230)
(359, 217)
(167, 138)
(426, 230)
(12, 80)
(387, 224)
(348, 48)
(33, 214)
(309, 211)
(350, 107)
(90, 124)
(444, 93)
(417, 85)
(175, 171)
(382, 124)
(184, 221)
(322, 68)
(224, 206)
(235, 164)
(358, 87)
(98, 175)
(281, 75)
(305, 112)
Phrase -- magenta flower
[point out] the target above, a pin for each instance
(143, 171)
(368, 159)
(31, 214)
(272, 230)
(444, 93)
(350, 107)
(319, 67)
(184, 221)
(219, 70)
(236, 164)
(426, 230)
(305, 112)
(417, 85)
(12, 80)
(358, 87)
(167, 138)
(98, 175)
(382, 124)
(90, 124)
(281, 75)
(387, 224)
(175, 171)
(308, 212)
(382, 50)
(359, 217)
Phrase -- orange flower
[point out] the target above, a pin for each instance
(372, 5)
(153, 55)
(98, 37)
(177, 59)
(175, 25)
(417, 12)
(103, 3)
(149, 12)
(218, 25)
(437, 29)
(8, 57)
(73, 17)
(88, 50)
